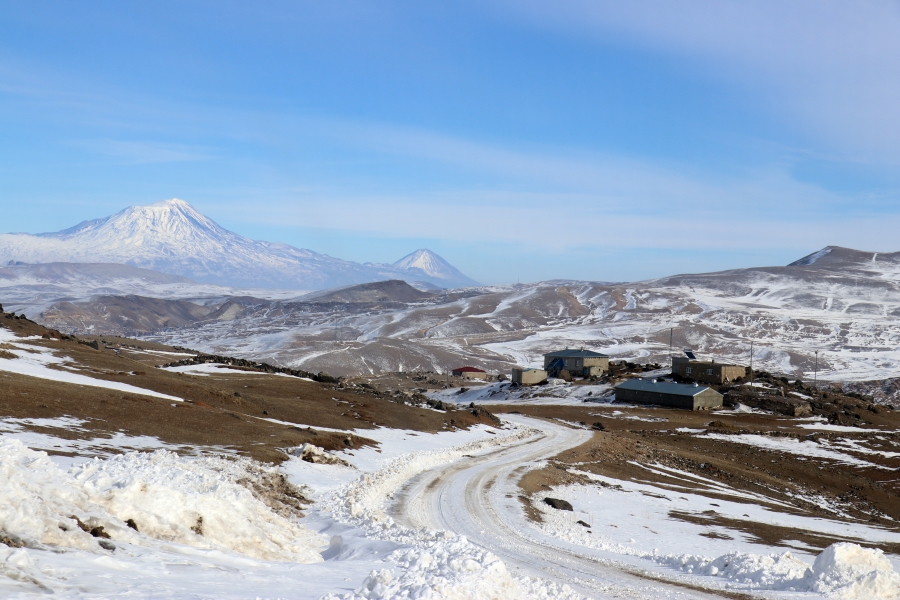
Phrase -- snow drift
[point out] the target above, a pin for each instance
(207, 502)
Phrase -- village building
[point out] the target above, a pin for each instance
(706, 371)
(525, 376)
(469, 373)
(665, 393)
(579, 363)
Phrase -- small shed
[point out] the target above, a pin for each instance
(581, 363)
(666, 393)
(525, 376)
(469, 373)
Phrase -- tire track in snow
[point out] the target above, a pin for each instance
(478, 499)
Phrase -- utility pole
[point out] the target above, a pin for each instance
(816, 372)
(671, 333)
(751, 364)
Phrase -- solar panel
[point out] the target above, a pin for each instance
(690, 354)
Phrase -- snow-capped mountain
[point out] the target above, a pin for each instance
(173, 237)
(426, 265)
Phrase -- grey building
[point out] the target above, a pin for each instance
(665, 393)
(706, 371)
(580, 363)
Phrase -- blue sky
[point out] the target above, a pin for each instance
(520, 140)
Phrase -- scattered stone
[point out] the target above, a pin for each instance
(132, 524)
(597, 425)
(12, 542)
(583, 524)
(558, 504)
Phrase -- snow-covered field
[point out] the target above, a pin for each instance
(421, 516)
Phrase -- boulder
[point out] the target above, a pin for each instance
(558, 504)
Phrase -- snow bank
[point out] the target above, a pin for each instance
(851, 572)
(843, 570)
(775, 571)
(207, 502)
(449, 567)
(38, 500)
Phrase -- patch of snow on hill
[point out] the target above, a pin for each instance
(35, 361)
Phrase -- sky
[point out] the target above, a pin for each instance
(522, 141)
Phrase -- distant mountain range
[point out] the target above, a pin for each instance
(842, 303)
(172, 237)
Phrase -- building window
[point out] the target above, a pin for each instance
(689, 370)
(709, 371)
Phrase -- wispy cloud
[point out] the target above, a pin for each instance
(146, 152)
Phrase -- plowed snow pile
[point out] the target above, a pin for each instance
(855, 573)
(207, 502)
(843, 570)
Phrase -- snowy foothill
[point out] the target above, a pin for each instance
(36, 361)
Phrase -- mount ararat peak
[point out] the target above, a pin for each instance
(173, 237)
(429, 266)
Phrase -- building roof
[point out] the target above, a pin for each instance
(468, 370)
(711, 362)
(662, 387)
(576, 354)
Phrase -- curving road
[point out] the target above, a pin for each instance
(478, 498)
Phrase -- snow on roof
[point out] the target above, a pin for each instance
(662, 387)
(576, 354)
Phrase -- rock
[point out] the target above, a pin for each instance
(558, 504)
(132, 524)
(107, 545)
(8, 540)
(583, 524)
(597, 425)
(316, 455)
